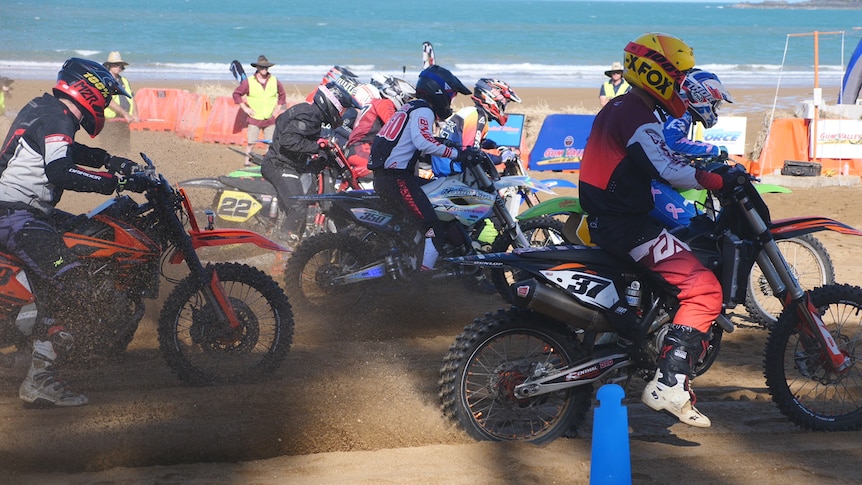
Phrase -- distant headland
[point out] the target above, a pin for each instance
(809, 4)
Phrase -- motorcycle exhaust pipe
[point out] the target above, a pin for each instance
(551, 302)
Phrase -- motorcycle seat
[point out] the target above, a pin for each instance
(574, 254)
(253, 185)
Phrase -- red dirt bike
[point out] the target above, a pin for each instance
(581, 317)
(222, 323)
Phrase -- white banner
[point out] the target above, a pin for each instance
(729, 131)
(837, 139)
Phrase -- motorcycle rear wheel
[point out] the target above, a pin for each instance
(810, 263)
(316, 262)
(805, 390)
(200, 351)
(540, 232)
(493, 355)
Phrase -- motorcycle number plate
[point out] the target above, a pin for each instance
(237, 206)
(588, 288)
(371, 216)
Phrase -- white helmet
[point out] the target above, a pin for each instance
(704, 93)
(395, 89)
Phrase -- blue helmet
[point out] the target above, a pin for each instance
(438, 86)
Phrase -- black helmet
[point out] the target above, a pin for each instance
(438, 86)
(333, 100)
(90, 86)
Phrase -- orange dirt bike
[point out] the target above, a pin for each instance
(581, 317)
(222, 323)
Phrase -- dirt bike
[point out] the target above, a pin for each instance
(581, 317)
(224, 322)
(245, 199)
(333, 269)
(808, 258)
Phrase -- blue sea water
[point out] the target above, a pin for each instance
(537, 43)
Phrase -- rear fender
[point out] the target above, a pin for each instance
(203, 183)
(552, 207)
(797, 226)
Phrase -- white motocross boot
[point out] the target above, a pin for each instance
(41, 388)
(677, 400)
(669, 390)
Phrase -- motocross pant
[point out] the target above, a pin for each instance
(646, 242)
(55, 273)
(402, 193)
(288, 182)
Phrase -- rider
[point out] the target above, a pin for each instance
(296, 152)
(39, 160)
(625, 151)
(469, 126)
(705, 94)
(400, 143)
(394, 93)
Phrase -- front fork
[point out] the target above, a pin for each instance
(785, 285)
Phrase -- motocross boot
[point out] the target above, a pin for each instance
(669, 390)
(41, 387)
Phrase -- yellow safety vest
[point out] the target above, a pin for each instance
(127, 103)
(2, 102)
(262, 100)
(608, 89)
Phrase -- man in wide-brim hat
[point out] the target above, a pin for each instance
(262, 98)
(615, 86)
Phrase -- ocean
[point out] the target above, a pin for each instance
(535, 43)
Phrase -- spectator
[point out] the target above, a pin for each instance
(5, 88)
(615, 86)
(121, 110)
(262, 98)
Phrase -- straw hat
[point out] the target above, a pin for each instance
(114, 58)
(262, 61)
(615, 67)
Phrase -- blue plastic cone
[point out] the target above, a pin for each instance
(610, 461)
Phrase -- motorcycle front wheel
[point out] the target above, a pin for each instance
(492, 356)
(540, 232)
(801, 383)
(810, 263)
(202, 350)
(316, 262)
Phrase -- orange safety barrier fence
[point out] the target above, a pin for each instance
(226, 123)
(157, 109)
(789, 139)
(194, 114)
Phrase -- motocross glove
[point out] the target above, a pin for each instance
(507, 156)
(122, 166)
(136, 182)
(322, 142)
(722, 152)
(468, 156)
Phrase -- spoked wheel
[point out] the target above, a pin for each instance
(492, 356)
(317, 262)
(810, 263)
(202, 349)
(540, 232)
(802, 383)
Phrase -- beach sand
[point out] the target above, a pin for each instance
(356, 401)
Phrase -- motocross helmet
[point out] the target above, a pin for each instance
(333, 100)
(394, 89)
(90, 86)
(704, 93)
(438, 87)
(657, 63)
(494, 95)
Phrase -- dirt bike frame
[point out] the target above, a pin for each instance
(743, 213)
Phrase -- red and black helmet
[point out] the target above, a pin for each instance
(90, 86)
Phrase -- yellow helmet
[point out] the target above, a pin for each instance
(657, 63)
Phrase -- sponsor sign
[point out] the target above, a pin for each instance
(837, 139)
(729, 131)
(509, 135)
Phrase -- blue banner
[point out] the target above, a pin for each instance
(561, 141)
(509, 135)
